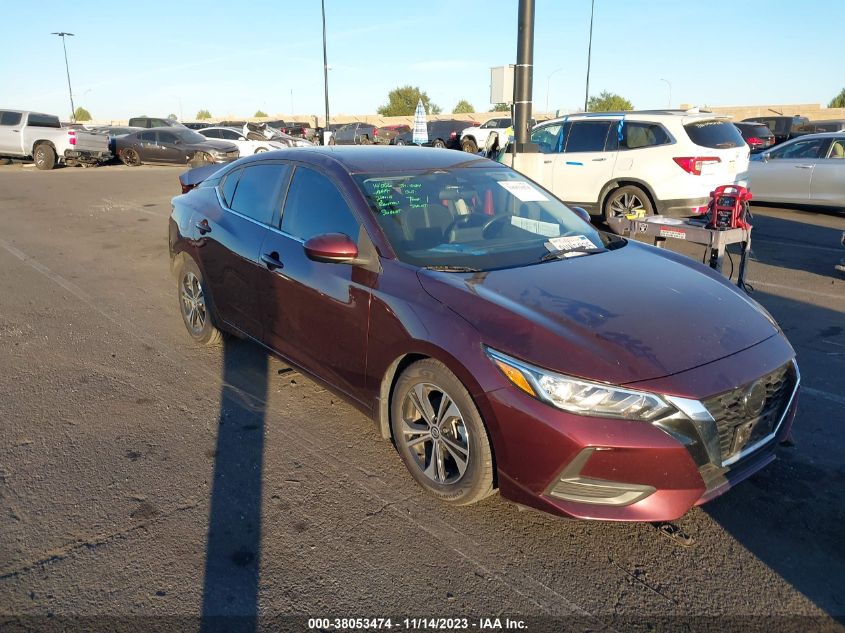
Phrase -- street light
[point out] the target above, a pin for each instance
(589, 53)
(670, 91)
(548, 80)
(325, 71)
(63, 34)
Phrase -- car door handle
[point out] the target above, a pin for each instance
(803, 166)
(598, 160)
(272, 261)
(202, 227)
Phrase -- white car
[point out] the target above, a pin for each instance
(646, 162)
(807, 170)
(233, 135)
(474, 138)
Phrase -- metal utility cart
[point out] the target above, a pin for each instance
(662, 228)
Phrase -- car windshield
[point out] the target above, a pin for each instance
(474, 218)
(189, 136)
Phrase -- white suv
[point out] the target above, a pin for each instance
(474, 138)
(662, 161)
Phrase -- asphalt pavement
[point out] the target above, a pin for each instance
(148, 481)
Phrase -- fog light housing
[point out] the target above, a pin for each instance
(571, 486)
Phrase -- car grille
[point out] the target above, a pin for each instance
(737, 426)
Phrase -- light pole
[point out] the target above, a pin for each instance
(670, 91)
(63, 34)
(548, 83)
(589, 53)
(325, 70)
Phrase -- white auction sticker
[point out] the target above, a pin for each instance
(523, 190)
(570, 242)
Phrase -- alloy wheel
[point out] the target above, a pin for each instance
(435, 434)
(625, 204)
(193, 303)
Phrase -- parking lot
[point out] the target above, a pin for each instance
(142, 475)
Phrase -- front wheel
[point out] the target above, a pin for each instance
(260, 150)
(628, 201)
(193, 305)
(440, 435)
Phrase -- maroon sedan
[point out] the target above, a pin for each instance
(498, 339)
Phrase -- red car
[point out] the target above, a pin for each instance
(498, 339)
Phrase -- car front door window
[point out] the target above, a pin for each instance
(315, 206)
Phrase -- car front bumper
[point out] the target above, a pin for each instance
(618, 470)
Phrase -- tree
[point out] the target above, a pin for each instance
(608, 102)
(172, 117)
(838, 101)
(203, 114)
(403, 102)
(259, 113)
(81, 114)
(463, 107)
(501, 107)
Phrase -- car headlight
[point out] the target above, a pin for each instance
(580, 396)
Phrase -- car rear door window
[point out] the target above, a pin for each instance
(257, 191)
(10, 118)
(715, 134)
(167, 137)
(315, 206)
(210, 133)
(229, 135)
(809, 148)
(230, 182)
(148, 137)
(636, 135)
(587, 136)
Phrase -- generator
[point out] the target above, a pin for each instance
(728, 208)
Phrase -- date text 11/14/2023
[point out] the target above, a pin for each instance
(416, 624)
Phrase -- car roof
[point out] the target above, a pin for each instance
(839, 136)
(385, 158)
(640, 114)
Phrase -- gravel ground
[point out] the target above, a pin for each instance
(144, 480)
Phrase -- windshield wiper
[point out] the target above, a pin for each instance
(453, 269)
(565, 254)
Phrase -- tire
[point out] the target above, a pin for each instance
(626, 200)
(438, 143)
(130, 157)
(260, 150)
(200, 159)
(399, 142)
(332, 141)
(44, 156)
(194, 306)
(458, 437)
(469, 145)
(364, 140)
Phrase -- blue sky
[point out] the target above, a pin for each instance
(158, 58)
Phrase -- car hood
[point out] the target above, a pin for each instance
(627, 315)
(222, 146)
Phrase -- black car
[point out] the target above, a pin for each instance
(355, 133)
(758, 136)
(783, 127)
(174, 145)
(445, 133)
(152, 121)
(115, 131)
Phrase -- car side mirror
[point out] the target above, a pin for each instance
(582, 213)
(765, 157)
(177, 141)
(331, 248)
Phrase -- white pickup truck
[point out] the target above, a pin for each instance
(41, 137)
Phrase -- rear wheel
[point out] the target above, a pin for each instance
(440, 435)
(469, 145)
(193, 305)
(44, 156)
(130, 157)
(398, 141)
(364, 140)
(627, 201)
(260, 150)
(438, 143)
